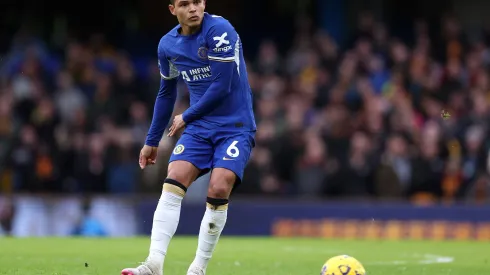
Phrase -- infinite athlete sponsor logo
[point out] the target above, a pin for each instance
(196, 74)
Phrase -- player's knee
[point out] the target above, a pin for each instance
(220, 185)
(217, 203)
(183, 172)
(173, 186)
(219, 190)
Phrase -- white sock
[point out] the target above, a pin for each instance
(212, 225)
(165, 222)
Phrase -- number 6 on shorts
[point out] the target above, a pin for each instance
(233, 153)
(232, 150)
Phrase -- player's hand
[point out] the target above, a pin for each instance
(176, 125)
(148, 156)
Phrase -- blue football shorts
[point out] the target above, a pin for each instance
(218, 148)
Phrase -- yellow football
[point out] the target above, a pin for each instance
(343, 265)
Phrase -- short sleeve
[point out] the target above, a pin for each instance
(223, 42)
(167, 68)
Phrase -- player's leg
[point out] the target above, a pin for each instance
(214, 220)
(166, 217)
(230, 159)
(180, 176)
(190, 158)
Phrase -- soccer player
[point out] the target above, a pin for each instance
(206, 51)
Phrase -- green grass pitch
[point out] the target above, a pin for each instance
(243, 256)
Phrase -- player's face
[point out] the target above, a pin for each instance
(188, 12)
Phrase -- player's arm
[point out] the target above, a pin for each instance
(221, 41)
(165, 101)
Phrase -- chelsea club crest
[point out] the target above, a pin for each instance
(179, 149)
(202, 52)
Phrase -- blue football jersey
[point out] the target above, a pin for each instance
(193, 58)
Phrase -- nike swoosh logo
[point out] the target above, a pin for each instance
(225, 158)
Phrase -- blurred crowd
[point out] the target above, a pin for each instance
(380, 118)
